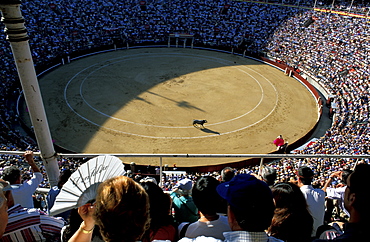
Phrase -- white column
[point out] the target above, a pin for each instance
(332, 5)
(18, 38)
(350, 7)
(314, 6)
(160, 172)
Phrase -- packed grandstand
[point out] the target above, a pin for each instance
(333, 48)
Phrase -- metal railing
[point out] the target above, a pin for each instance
(91, 155)
(161, 156)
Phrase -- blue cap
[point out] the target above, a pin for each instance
(244, 191)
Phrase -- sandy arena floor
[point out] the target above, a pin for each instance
(144, 101)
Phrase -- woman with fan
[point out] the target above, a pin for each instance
(73, 224)
(121, 211)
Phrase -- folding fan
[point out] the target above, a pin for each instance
(83, 183)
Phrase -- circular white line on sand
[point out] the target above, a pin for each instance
(136, 56)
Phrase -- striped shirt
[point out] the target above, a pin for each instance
(235, 236)
(31, 225)
(245, 236)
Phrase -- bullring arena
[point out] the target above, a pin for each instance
(143, 101)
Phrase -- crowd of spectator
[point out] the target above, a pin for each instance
(334, 49)
(258, 208)
(63, 28)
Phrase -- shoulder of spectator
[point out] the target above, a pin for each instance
(173, 193)
(36, 179)
(52, 221)
(320, 191)
(37, 175)
(200, 239)
(15, 208)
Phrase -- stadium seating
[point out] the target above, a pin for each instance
(334, 49)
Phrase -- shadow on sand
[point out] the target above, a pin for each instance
(205, 130)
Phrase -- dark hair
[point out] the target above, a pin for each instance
(305, 174)
(269, 175)
(160, 204)
(63, 178)
(205, 196)
(358, 184)
(261, 215)
(11, 174)
(292, 221)
(345, 175)
(306, 181)
(257, 211)
(227, 174)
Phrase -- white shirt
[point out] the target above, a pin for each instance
(316, 205)
(236, 236)
(22, 193)
(212, 228)
(337, 193)
(200, 239)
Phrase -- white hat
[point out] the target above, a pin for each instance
(185, 184)
(149, 179)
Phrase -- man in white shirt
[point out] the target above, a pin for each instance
(250, 210)
(207, 201)
(337, 193)
(315, 197)
(356, 202)
(22, 192)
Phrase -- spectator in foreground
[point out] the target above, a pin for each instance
(251, 208)
(337, 193)
(207, 201)
(269, 175)
(356, 201)
(185, 209)
(315, 197)
(121, 211)
(54, 191)
(28, 224)
(292, 221)
(73, 224)
(227, 174)
(3, 211)
(22, 192)
(161, 222)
